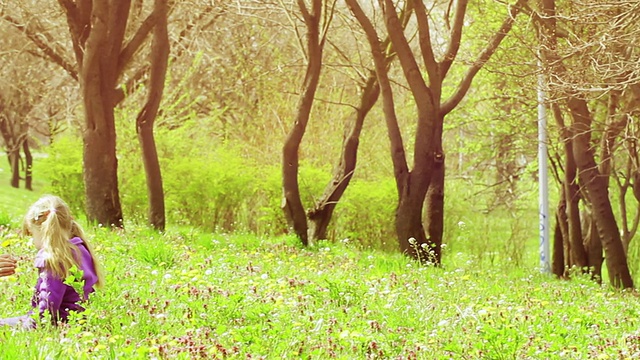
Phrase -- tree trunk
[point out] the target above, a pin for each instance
(575, 252)
(409, 228)
(146, 118)
(101, 166)
(14, 161)
(434, 208)
(593, 246)
(291, 203)
(12, 146)
(155, 192)
(598, 193)
(560, 239)
(97, 83)
(28, 165)
(578, 253)
(321, 215)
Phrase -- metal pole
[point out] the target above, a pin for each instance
(543, 177)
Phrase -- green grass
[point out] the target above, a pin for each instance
(189, 294)
(239, 297)
(14, 202)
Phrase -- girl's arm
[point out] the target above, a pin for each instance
(7, 265)
(49, 294)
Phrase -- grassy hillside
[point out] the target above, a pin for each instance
(14, 202)
(192, 295)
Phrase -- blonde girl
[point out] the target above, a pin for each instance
(65, 261)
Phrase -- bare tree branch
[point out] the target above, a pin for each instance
(136, 41)
(488, 51)
(50, 52)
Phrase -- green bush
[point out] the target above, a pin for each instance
(366, 214)
(208, 191)
(63, 168)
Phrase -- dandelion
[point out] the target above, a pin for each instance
(264, 276)
(208, 272)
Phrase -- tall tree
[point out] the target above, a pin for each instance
(317, 20)
(104, 43)
(159, 58)
(320, 215)
(568, 91)
(422, 187)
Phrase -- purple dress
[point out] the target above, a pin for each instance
(53, 295)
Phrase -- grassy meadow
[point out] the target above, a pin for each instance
(191, 294)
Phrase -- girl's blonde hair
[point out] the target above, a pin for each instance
(51, 218)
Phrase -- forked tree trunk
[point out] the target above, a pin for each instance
(320, 216)
(428, 158)
(97, 83)
(411, 185)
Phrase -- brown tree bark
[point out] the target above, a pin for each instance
(409, 227)
(28, 165)
(98, 31)
(560, 239)
(14, 163)
(291, 203)
(424, 183)
(320, 215)
(12, 143)
(159, 58)
(588, 173)
(434, 200)
(98, 79)
(576, 255)
(598, 193)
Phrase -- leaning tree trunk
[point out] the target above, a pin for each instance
(292, 203)
(598, 194)
(321, 215)
(146, 117)
(575, 252)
